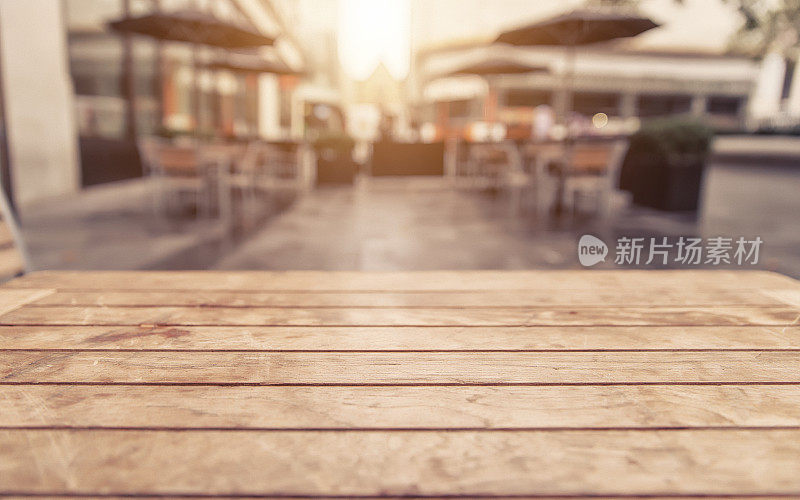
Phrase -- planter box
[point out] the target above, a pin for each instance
(664, 186)
(398, 158)
(335, 169)
(665, 162)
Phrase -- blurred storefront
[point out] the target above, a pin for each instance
(128, 86)
(622, 85)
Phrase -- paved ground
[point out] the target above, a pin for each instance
(400, 223)
(113, 227)
(416, 223)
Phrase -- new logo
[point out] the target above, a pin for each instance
(591, 250)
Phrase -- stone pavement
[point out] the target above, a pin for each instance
(418, 223)
(400, 224)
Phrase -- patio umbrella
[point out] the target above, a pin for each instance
(491, 68)
(495, 67)
(193, 27)
(578, 27)
(251, 65)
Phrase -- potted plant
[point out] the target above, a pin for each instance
(665, 163)
(334, 151)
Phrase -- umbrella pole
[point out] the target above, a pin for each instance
(569, 83)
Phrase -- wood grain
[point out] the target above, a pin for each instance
(638, 280)
(399, 367)
(691, 462)
(400, 407)
(12, 299)
(354, 338)
(490, 298)
(265, 316)
(533, 383)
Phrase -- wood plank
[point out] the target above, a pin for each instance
(273, 316)
(640, 280)
(401, 407)
(491, 298)
(11, 299)
(399, 367)
(398, 338)
(690, 462)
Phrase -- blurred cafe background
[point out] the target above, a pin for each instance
(395, 134)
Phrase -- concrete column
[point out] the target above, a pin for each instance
(629, 105)
(699, 105)
(558, 102)
(793, 101)
(42, 137)
(766, 98)
(269, 121)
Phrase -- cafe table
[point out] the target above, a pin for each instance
(416, 384)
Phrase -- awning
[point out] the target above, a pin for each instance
(579, 27)
(192, 27)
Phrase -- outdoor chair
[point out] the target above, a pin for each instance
(178, 171)
(279, 171)
(13, 257)
(499, 166)
(536, 158)
(495, 163)
(591, 171)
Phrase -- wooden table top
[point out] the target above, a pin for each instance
(529, 383)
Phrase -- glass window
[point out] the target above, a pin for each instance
(528, 98)
(664, 105)
(724, 105)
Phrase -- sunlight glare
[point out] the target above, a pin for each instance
(373, 32)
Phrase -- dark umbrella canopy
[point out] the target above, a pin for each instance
(253, 67)
(496, 67)
(579, 27)
(192, 27)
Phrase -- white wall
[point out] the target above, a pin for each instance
(766, 99)
(39, 100)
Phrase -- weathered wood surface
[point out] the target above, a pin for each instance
(367, 338)
(266, 316)
(338, 281)
(400, 407)
(492, 298)
(578, 367)
(569, 462)
(305, 384)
